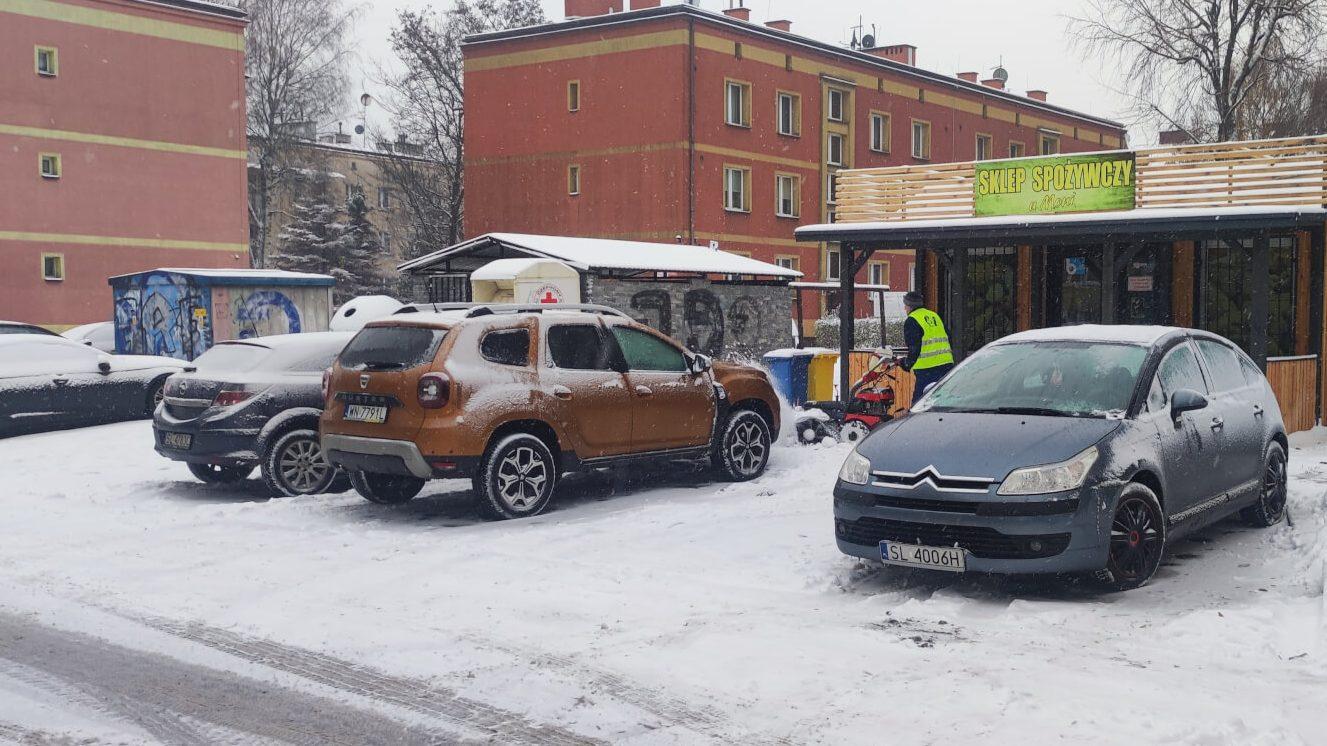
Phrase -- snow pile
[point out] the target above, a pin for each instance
(358, 311)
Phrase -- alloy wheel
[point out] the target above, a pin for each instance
(1136, 540)
(522, 477)
(746, 449)
(302, 466)
(1274, 489)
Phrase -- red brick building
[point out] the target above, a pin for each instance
(122, 148)
(673, 121)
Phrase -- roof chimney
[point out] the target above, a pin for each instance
(905, 53)
(587, 8)
(780, 25)
(1037, 95)
(970, 77)
(995, 83)
(643, 4)
(739, 12)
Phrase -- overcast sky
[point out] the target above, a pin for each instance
(1030, 37)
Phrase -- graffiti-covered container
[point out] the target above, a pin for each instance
(181, 313)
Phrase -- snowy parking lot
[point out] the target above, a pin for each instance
(137, 604)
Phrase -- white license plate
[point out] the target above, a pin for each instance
(951, 559)
(366, 413)
(178, 441)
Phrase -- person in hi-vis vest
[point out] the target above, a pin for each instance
(929, 355)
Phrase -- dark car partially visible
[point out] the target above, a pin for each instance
(253, 403)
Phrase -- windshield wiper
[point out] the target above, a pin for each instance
(381, 365)
(1043, 411)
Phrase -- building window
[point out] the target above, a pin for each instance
(354, 191)
(1050, 144)
(736, 189)
(985, 148)
(832, 264)
(789, 262)
(879, 132)
(878, 273)
(1015, 150)
(831, 188)
(790, 114)
(48, 62)
(737, 103)
(53, 267)
(574, 95)
(49, 164)
(834, 149)
(921, 139)
(384, 198)
(838, 105)
(787, 195)
(386, 240)
(573, 180)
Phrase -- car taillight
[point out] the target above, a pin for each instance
(231, 397)
(434, 390)
(327, 383)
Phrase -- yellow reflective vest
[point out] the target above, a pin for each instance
(935, 349)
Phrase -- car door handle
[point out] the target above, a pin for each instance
(1218, 423)
(644, 391)
(562, 392)
(60, 381)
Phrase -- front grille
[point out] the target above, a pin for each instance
(936, 479)
(979, 540)
(917, 503)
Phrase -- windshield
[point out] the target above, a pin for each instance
(1051, 378)
(391, 347)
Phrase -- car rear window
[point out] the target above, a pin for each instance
(578, 347)
(391, 347)
(506, 347)
(232, 357)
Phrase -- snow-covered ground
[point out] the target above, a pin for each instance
(665, 609)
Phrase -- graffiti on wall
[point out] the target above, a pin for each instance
(164, 315)
(702, 314)
(654, 308)
(707, 325)
(262, 313)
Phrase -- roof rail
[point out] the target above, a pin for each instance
(486, 309)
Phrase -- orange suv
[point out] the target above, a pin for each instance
(514, 396)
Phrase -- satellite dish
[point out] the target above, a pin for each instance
(1001, 75)
(868, 41)
(365, 99)
(359, 129)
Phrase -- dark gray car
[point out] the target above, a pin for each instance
(48, 382)
(253, 403)
(1069, 450)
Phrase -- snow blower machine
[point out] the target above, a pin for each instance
(870, 404)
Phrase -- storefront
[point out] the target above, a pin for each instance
(1225, 237)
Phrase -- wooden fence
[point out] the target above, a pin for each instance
(1295, 381)
(859, 361)
(1290, 171)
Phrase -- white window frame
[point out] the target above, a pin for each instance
(53, 54)
(60, 261)
(794, 105)
(924, 151)
(989, 142)
(1048, 137)
(384, 198)
(788, 182)
(879, 132)
(789, 262)
(832, 259)
(831, 180)
(743, 113)
(841, 97)
(1020, 146)
(573, 179)
(831, 157)
(742, 193)
(573, 99)
(55, 160)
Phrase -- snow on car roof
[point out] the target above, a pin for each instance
(601, 253)
(277, 341)
(1136, 334)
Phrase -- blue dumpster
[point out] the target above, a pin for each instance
(789, 369)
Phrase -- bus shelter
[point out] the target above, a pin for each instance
(1226, 237)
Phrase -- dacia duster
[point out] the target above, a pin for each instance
(514, 396)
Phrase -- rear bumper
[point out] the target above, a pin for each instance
(381, 456)
(209, 446)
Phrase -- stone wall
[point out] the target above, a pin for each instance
(718, 319)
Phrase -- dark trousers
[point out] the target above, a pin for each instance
(926, 378)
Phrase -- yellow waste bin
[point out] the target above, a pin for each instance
(820, 376)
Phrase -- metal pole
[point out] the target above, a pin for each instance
(847, 283)
(1261, 271)
(801, 322)
(957, 323)
(1108, 282)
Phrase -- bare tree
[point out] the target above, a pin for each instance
(1193, 64)
(426, 104)
(1288, 104)
(295, 68)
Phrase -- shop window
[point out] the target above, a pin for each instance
(984, 148)
(49, 165)
(1049, 144)
(834, 149)
(788, 196)
(1226, 292)
(737, 103)
(790, 114)
(838, 105)
(47, 62)
(921, 139)
(1015, 150)
(879, 132)
(573, 180)
(574, 95)
(53, 267)
(736, 189)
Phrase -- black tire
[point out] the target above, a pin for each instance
(516, 478)
(220, 473)
(742, 452)
(340, 483)
(156, 392)
(1271, 505)
(294, 465)
(385, 489)
(1137, 540)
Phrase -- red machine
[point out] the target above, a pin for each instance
(870, 404)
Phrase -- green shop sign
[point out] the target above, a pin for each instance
(1062, 183)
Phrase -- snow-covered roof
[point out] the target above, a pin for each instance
(224, 276)
(612, 254)
(507, 269)
(1137, 334)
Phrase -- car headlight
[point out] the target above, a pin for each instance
(856, 469)
(1061, 477)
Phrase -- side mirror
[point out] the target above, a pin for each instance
(103, 364)
(1186, 400)
(701, 363)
